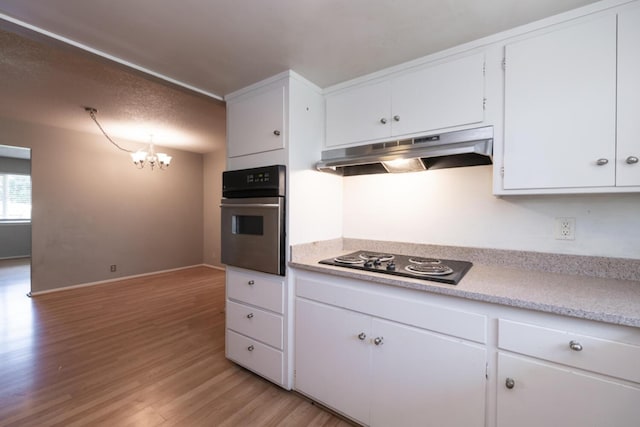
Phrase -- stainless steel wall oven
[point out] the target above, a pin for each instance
(253, 219)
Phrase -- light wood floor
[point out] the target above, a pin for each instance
(139, 352)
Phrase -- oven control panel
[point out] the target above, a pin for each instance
(267, 181)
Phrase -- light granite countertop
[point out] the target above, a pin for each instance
(607, 299)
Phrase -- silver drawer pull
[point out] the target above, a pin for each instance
(510, 383)
(250, 316)
(383, 121)
(396, 118)
(362, 336)
(378, 340)
(276, 132)
(632, 160)
(602, 162)
(251, 283)
(250, 348)
(575, 346)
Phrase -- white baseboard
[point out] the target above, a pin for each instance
(215, 267)
(117, 279)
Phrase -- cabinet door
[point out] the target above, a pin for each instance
(439, 96)
(548, 395)
(359, 114)
(332, 362)
(421, 378)
(560, 108)
(628, 97)
(255, 122)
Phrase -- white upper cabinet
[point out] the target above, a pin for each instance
(256, 121)
(560, 108)
(628, 153)
(359, 114)
(432, 97)
(572, 97)
(436, 97)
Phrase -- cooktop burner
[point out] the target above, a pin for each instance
(433, 269)
(418, 260)
(427, 269)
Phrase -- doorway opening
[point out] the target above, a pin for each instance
(15, 222)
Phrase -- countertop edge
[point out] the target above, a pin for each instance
(529, 304)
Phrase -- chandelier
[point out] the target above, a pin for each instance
(140, 157)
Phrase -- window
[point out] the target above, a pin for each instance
(15, 197)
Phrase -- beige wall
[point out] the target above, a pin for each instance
(214, 164)
(93, 208)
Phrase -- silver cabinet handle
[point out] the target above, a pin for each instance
(250, 316)
(396, 118)
(510, 383)
(250, 348)
(632, 160)
(383, 121)
(362, 336)
(602, 162)
(575, 346)
(251, 283)
(276, 132)
(378, 340)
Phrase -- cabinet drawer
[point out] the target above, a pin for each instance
(255, 356)
(256, 323)
(606, 357)
(256, 290)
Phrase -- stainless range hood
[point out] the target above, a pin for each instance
(469, 147)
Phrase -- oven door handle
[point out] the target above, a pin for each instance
(251, 205)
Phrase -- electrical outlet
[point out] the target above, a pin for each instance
(113, 268)
(565, 229)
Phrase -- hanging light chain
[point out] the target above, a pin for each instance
(92, 113)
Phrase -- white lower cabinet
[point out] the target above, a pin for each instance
(535, 393)
(254, 355)
(581, 380)
(332, 363)
(257, 324)
(422, 378)
(390, 356)
(383, 373)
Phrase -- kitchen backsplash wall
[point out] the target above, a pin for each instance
(456, 207)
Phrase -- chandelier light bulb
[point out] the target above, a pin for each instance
(138, 158)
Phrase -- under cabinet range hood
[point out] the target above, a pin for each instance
(470, 147)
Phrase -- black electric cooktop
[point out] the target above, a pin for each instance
(416, 267)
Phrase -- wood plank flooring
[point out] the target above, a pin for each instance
(138, 352)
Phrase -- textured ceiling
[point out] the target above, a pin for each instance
(50, 84)
(219, 46)
(215, 47)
